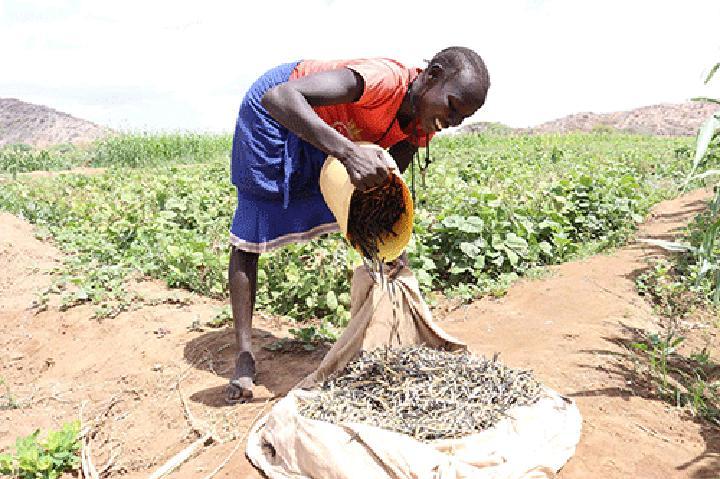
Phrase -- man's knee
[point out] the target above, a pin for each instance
(242, 260)
(242, 272)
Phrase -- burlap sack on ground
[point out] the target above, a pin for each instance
(375, 323)
(532, 442)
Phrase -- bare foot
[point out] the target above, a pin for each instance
(241, 385)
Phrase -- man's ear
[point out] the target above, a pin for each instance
(435, 71)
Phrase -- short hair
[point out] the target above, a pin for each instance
(464, 59)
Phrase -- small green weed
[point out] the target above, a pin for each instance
(669, 286)
(7, 400)
(658, 349)
(44, 459)
(687, 382)
(308, 338)
(311, 336)
(221, 318)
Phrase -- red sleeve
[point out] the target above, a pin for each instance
(384, 80)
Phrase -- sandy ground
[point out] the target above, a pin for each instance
(148, 380)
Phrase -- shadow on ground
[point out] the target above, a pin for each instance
(278, 370)
(631, 366)
(691, 208)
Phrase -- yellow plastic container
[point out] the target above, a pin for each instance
(337, 190)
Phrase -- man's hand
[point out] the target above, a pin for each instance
(367, 167)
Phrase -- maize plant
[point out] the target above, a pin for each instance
(705, 254)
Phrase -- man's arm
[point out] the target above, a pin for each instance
(291, 105)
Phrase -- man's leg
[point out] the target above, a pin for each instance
(242, 278)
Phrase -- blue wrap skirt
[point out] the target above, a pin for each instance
(276, 175)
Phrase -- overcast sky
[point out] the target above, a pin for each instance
(176, 65)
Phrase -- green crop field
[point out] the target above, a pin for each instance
(490, 209)
(137, 150)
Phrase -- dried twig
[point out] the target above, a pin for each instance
(114, 454)
(175, 384)
(182, 375)
(89, 471)
(179, 458)
(111, 404)
(88, 468)
(239, 442)
(188, 415)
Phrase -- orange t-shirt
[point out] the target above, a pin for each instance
(368, 119)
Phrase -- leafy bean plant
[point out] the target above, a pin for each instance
(48, 458)
(492, 208)
(496, 209)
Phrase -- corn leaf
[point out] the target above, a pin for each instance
(703, 141)
(672, 246)
(712, 72)
(706, 266)
(706, 99)
(706, 174)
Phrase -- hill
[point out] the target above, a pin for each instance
(667, 119)
(41, 126)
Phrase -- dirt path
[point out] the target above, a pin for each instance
(149, 378)
(138, 372)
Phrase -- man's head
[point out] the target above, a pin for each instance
(450, 89)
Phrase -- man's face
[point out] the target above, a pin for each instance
(447, 98)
